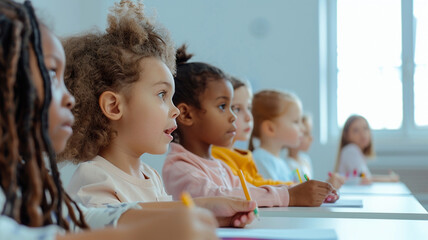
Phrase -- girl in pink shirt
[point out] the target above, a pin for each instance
(203, 96)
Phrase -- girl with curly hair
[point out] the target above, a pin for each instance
(123, 84)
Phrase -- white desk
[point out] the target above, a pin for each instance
(374, 207)
(397, 188)
(349, 229)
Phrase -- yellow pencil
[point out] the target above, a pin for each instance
(187, 199)
(246, 192)
(298, 175)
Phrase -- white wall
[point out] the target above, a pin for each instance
(274, 44)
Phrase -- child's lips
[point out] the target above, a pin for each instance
(169, 131)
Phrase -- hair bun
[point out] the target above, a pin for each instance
(181, 55)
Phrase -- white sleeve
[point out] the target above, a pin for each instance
(106, 216)
(11, 230)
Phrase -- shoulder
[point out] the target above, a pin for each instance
(91, 171)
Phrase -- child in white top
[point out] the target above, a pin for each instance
(35, 106)
(123, 84)
(277, 125)
(299, 159)
(356, 147)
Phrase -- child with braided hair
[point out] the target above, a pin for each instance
(33, 202)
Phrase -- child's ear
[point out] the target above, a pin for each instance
(111, 105)
(186, 116)
(268, 128)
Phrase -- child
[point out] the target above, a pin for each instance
(124, 79)
(238, 159)
(277, 125)
(355, 148)
(203, 96)
(33, 202)
(298, 159)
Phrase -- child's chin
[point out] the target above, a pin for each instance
(159, 151)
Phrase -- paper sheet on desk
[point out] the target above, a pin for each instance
(276, 234)
(356, 203)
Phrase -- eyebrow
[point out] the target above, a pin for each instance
(163, 83)
(54, 57)
(223, 97)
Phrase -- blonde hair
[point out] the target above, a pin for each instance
(108, 61)
(268, 105)
(368, 151)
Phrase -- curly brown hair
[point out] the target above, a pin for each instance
(110, 61)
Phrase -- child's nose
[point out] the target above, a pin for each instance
(175, 111)
(232, 117)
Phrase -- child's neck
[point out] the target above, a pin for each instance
(293, 153)
(198, 148)
(273, 148)
(123, 158)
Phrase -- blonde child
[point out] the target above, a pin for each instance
(299, 159)
(239, 159)
(355, 148)
(33, 202)
(277, 125)
(123, 78)
(203, 96)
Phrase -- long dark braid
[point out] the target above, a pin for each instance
(22, 160)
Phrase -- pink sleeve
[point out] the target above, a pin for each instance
(181, 176)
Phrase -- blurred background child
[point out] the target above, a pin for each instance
(355, 149)
(299, 159)
(277, 125)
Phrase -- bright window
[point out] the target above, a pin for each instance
(380, 66)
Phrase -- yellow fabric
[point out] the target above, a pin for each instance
(243, 159)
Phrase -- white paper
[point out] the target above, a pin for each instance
(277, 234)
(356, 203)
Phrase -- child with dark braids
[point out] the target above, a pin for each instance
(123, 84)
(204, 97)
(33, 202)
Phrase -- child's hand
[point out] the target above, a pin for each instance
(173, 223)
(309, 194)
(230, 212)
(393, 176)
(336, 180)
(366, 181)
(332, 197)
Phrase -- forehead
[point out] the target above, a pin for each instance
(242, 93)
(218, 87)
(153, 70)
(359, 122)
(51, 45)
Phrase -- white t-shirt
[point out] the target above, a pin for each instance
(352, 159)
(304, 165)
(95, 217)
(98, 182)
(271, 167)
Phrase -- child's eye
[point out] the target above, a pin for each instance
(162, 94)
(222, 106)
(52, 75)
(236, 109)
